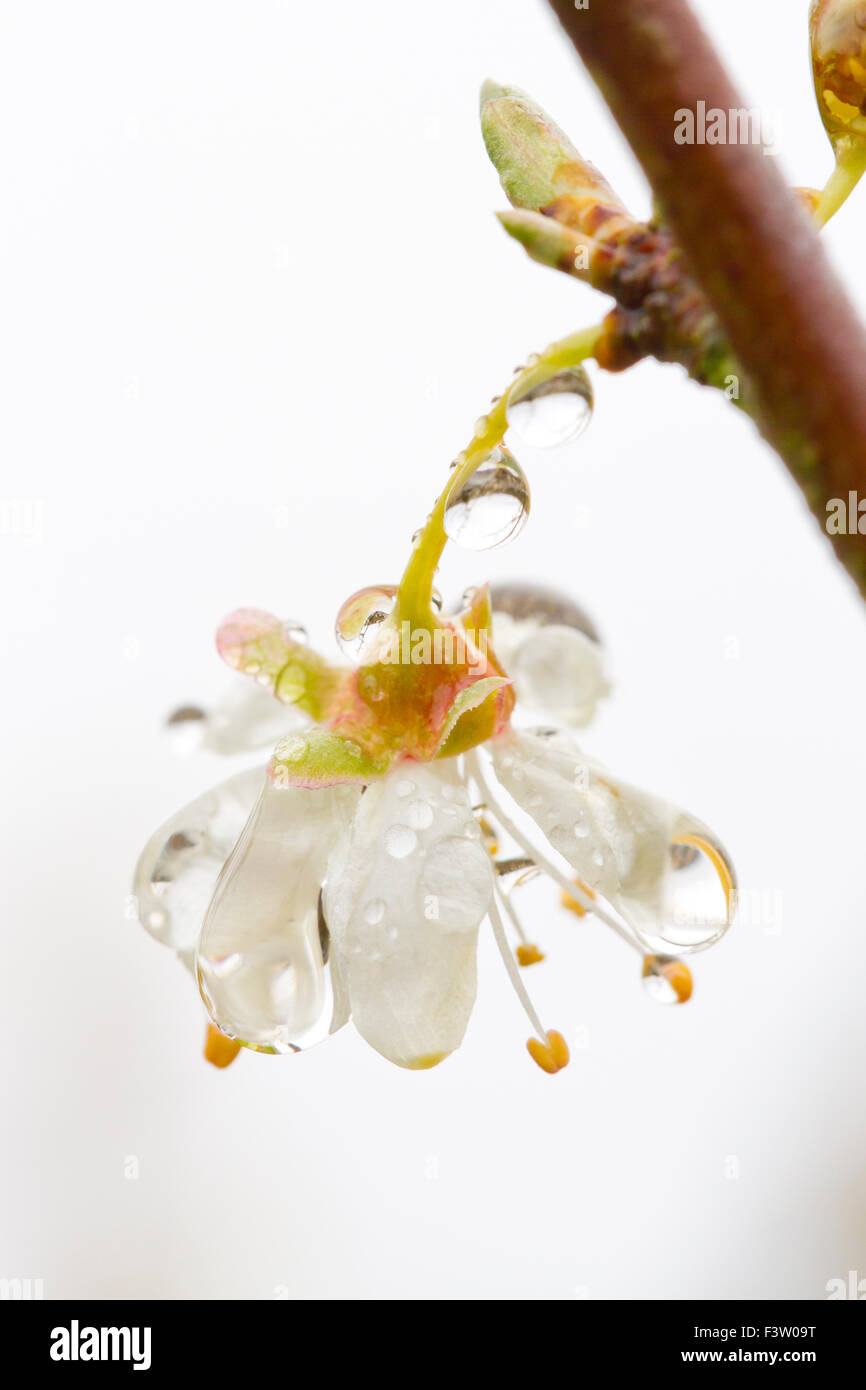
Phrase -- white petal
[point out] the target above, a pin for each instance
(261, 958)
(555, 667)
(622, 841)
(249, 717)
(406, 892)
(178, 868)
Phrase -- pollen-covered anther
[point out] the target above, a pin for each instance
(573, 904)
(551, 1056)
(219, 1050)
(488, 834)
(528, 954)
(675, 972)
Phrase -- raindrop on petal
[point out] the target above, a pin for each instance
(549, 412)
(263, 959)
(180, 864)
(400, 841)
(491, 507)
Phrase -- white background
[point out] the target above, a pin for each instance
(254, 298)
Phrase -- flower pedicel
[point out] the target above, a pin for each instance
(404, 806)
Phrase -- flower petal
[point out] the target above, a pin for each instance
(263, 956)
(406, 891)
(551, 648)
(660, 868)
(178, 868)
(248, 717)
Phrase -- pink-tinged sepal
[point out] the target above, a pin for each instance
(262, 646)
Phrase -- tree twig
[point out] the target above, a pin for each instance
(750, 246)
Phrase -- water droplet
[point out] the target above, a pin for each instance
(420, 814)
(416, 535)
(547, 412)
(700, 893)
(581, 830)
(491, 506)
(405, 787)
(180, 864)
(374, 911)
(436, 601)
(359, 621)
(667, 980)
(400, 841)
(267, 913)
(185, 728)
(294, 631)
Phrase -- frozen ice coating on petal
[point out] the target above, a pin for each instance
(406, 891)
(660, 868)
(180, 864)
(263, 958)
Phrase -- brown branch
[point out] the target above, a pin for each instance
(749, 245)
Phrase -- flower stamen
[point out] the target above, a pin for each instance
(551, 1055)
(567, 886)
(219, 1050)
(542, 1040)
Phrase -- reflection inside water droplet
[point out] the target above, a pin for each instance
(491, 507)
(359, 621)
(547, 412)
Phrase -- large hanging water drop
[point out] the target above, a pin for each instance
(546, 412)
(491, 507)
(263, 964)
(359, 621)
(700, 895)
(180, 864)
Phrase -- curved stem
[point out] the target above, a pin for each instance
(850, 168)
(413, 594)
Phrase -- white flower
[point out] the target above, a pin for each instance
(344, 882)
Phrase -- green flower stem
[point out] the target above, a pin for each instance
(416, 587)
(850, 168)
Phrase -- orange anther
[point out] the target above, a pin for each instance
(219, 1050)
(676, 972)
(552, 1056)
(572, 904)
(527, 954)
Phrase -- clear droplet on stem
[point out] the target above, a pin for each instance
(491, 507)
(546, 412)
(359, 621)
